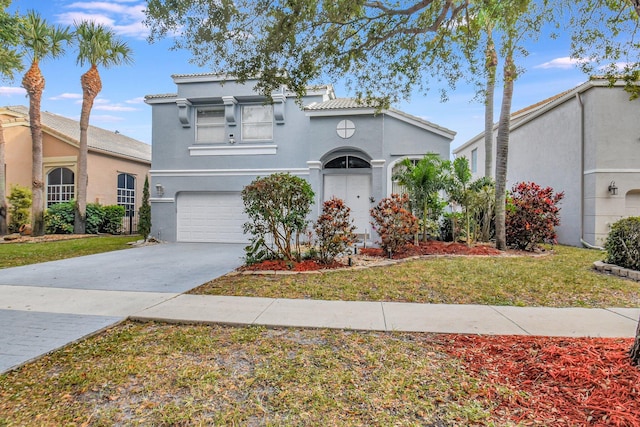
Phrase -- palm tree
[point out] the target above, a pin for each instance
(39, 41)
(423, 181)
(97, 45)
(459, 191)
(10, 62)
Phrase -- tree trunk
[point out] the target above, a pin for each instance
(634, 353)
(33, 82)
(91, 86)
(3, 183)
(502, 152)
(491, 64)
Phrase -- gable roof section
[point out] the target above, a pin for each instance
(352, 106)
(100, 140)
(529, 113)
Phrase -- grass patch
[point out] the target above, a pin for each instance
(16, 254)
(564, 278)
(161, 375)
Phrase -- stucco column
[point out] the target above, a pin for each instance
(315, 180)
(377, 180)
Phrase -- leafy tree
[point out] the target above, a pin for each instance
(144, 213)
(604, 36)
(39, 41)
(460, 192)
(10, 63)
(97, 46)
(277, 207)
(483, 206)
(384, 48)
(423, 181)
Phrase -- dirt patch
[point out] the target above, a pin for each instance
(47, 238)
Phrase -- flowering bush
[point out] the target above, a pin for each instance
(531, 215)
(394, 222)
(334, 230)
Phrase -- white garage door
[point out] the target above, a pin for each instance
(211, 217)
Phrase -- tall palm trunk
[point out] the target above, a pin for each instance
(491, 65)
(3, 183)
(33, 82)
(91, 87)
(502, 151)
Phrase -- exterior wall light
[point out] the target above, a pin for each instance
(159, 190)
(613, 189)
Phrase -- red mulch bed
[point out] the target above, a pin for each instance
(280, 265)
(554, 381)
(435, 247)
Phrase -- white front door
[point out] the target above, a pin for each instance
(355, 191)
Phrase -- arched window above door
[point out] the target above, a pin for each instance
(347, 162)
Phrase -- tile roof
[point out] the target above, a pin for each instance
(99, 139)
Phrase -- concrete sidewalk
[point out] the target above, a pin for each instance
(391, 316)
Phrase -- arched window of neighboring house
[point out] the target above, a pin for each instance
(60, 186)
(127, 193)
(632, 203)
(396, 187)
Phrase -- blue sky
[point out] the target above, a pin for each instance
(120, 105)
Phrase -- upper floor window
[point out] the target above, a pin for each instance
(60, 186)
(127, 193)
(474, 160)
(257, 122)
(210, 125)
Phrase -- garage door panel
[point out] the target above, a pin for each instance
(211, 217)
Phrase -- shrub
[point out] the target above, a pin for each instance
(20, 207)
(531, 215)
(112, 219)
(334, 230)
(393, 221)
(95, 217)
(58, 218)
(623, 243)
(451, 226)
(144, 213)
(277, 206)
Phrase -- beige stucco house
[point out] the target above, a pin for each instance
(585, 142)
(117, 164)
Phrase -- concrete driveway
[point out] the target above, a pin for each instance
(46, 306)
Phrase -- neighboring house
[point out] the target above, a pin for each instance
(117, 164)
(585, 142)
(215, 136)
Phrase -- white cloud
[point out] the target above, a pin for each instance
(113, 108)
(124, 19)
(10, 91)
(64, 96)
(564, 63)
(139, 100)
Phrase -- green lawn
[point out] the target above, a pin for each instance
(15, 254)
(562, 278)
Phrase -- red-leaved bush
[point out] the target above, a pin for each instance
(394, 222)
(334, 230)
(531, 215)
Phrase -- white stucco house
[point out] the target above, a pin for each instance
(585, 142)
(215, 135)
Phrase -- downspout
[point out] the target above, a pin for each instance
(582, 162)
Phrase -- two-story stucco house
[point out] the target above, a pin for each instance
(116, 164)
(585, 142)
(215, 135)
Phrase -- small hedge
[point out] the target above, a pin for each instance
(623, 243)
(100, 219)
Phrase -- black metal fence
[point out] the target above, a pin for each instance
(129, 224)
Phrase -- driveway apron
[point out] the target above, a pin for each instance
(46, 306)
